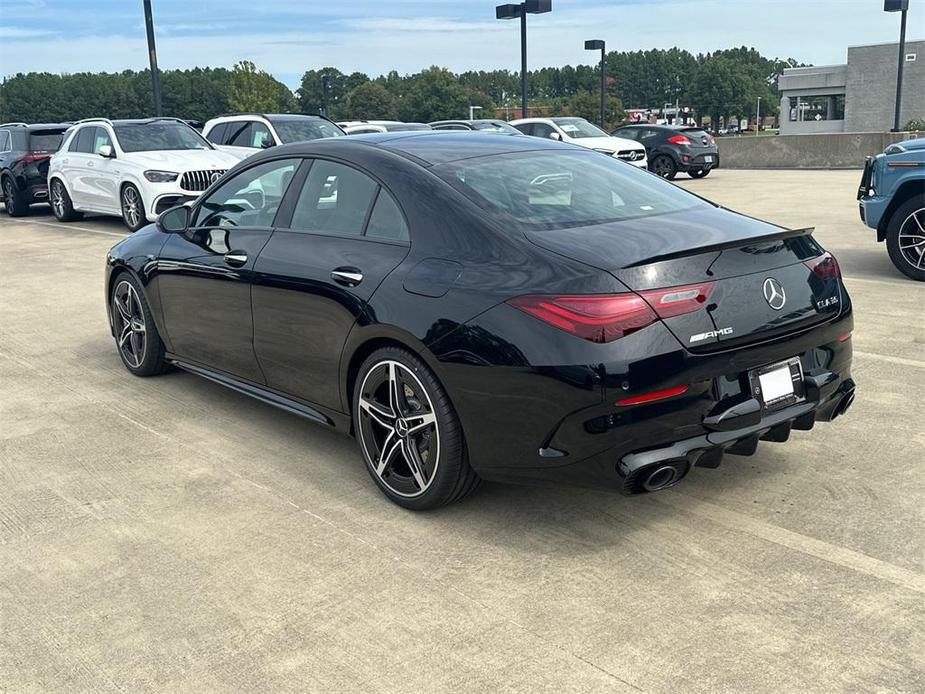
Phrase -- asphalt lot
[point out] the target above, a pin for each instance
(168, 534)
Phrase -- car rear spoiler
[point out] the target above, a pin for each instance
(723, 245)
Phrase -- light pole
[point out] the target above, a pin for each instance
(594, 45)
(521, 11)
(325, 81)
(152, 58)
(758, 116)
(472, 110)
(901, 6)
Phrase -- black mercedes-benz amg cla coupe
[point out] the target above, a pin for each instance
(478, 307)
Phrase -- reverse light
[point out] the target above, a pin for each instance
(825, 267)
(675, 301)
(161, 176)
(652, 396)
(679, 140)
(596, 318)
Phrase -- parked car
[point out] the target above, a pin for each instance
(892, 201)
(490, 125)
(479, 307)
(580, 132)
(135, 169)
(365, 127)
(244, 134)
(24, 154)
(673, 149)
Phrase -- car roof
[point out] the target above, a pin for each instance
(37, 126)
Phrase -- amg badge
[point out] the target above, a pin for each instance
(700, 337)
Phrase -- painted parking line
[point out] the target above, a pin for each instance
(66, 227)
(890, 359)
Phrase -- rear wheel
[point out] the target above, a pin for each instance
(133, 208)
(905, 238)
(139, 344)
(409, 433)
(61, 203)
(12, 200)
(664, 166)
(698, 173)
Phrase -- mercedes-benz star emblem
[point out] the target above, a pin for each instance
(774, 294)
(632, 156)
(215, 176)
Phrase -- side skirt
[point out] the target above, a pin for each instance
(337, 421)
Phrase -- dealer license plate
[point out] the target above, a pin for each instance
(778, 385)
(708, 158)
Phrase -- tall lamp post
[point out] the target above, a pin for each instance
(594, 46)
(152, 58)
(513, 12)
(325, 82)
(758, 116)
(472, 110)
(901, 6)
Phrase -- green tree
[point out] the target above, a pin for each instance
(369, 101)
(434, 94)
(587, 105)
(255, 90)
(719, 89)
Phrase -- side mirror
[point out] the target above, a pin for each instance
(555, 136)
(175, 220)
(266, 143)
(107, 152)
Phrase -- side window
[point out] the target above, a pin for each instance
(5, 141)
(239, 134)
(217, 133)
(386, 221)
(628, 133)
(542, 130)
(450, 126)
(249, 199)
(525, 128)
(83, 143)
(100, 138)
(260, 136)
(335, 200)
(647, 135)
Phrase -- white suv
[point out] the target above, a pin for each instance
(580, 132)
(135, 169)
(244, 134)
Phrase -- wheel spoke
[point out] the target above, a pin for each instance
(390, 447)
(124, 312)
(915, 218)
(395, 390)
(138, 344)
(419, 422)
(125, 334)
(378, 413)
(413, 458)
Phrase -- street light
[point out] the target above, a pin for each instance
(513, 12)
(325, 82)
(594, 46)
(901, 6)
(758, 116)
(152, 57)
(472, 110)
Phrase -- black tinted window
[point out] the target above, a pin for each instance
(334, 200)
(386, 221)
(4, 140)
(83, 142)
(249, 199)
(45, 140)
(303, 129)
(217, 133)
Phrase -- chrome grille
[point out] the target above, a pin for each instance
(200, 180)
(631, 154)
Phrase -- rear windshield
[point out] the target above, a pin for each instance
(299, 130)
(165, 135)
(43, 141)
(553, 190)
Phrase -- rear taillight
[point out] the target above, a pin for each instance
(677, 300)
(679, 140)
(33, 157)
(597, 318)
(712, 140)
(825, 267)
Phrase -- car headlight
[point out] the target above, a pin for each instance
(608, 152)
(161, 176)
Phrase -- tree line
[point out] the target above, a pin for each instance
(718, 85)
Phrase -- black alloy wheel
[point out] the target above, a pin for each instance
(664, 166)
(15, 205)
(408, 432)
(137, 339)
(905, 239)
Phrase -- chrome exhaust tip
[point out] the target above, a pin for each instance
(661, 478)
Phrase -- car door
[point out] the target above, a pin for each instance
(75, 167)
(102, 179)
(205, 274)
(313, 279)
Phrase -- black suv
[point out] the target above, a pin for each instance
(24, 154)
(674, 149)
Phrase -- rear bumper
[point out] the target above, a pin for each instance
(694, 162)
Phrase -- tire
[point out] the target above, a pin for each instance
(12, 199)
(664, 166)
(141, 351)
(133, 207)
(905, 238)
(61, 204)
(699, 173)
(439, 472)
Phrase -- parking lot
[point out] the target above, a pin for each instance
(169, 534)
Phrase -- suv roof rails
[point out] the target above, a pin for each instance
(268, 115)
(16, 124)
(92, 120)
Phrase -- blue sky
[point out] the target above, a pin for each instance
(285, 37)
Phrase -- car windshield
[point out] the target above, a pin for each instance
(495, 126)
(554, 190)
(578, 128)
(302, 129)
(148, 137)
(42, 141)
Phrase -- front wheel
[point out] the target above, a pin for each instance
(409, 434)
(133, 208)
(664, 166)
(698, 173)
(905, 238)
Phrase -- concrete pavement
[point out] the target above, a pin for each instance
(167, 534)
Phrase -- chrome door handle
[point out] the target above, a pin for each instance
(236, 258)
(90, 164)
(347, 276)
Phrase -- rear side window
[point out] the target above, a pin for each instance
(386, 221)
(43, 141)
(217, 133)
(542, 130)
(4, 141)
(237, 133)
(334, 200)
(550, 190)
(100, 138)
(83, 142)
